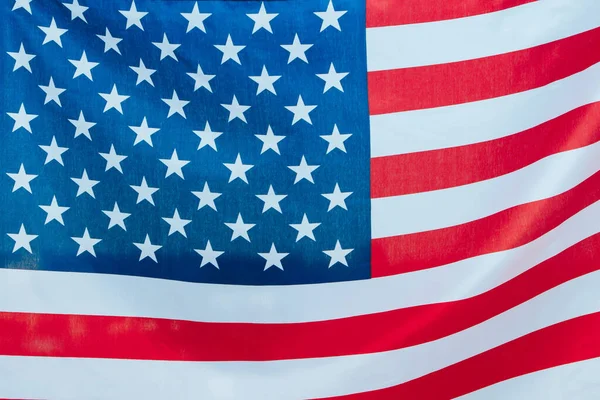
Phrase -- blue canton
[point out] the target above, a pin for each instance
(209, 141)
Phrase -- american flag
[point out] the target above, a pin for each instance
(390, 199)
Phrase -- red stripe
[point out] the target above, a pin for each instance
(505, 230)
(439, 169)
(563, 343)
(483, 78)
(157, 339)
(400, 12)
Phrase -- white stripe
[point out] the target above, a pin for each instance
(290, 379)
(113, 295)
(479, 121)
(419, 212)
(576, 381)
(478, 36)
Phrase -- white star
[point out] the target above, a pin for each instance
(83, 66)
(22, 240)
(265, 81)
(338, 255)
(238, 169)
(143, 133)
(110, 42)
(301, 111)
(271, 200)
(195, 19)
(54, 212)
(337, 198)
(239, 228)
(53, 33)
(113, 160)
(207, 137)
(207, 198)
(336, 140)
(22, 179)
(297, 50)
(143, 73)
(134, 17)
(86, 243)
(330, 17)
(236, 110)
(22, 119)
(201, 79)
(21, 58)
(52, 92)
(174, 165)
(270, 141)
(117, 218)
(148, 249)
(54, 152)
(76, 10)
(113, 100)
(273, 258)
(333, 79)
(85, 185)
(144, 192)
(262, 20)
(82, 127)
(303, 171)
(176, 105)
(24, 4)
(209, 256)
(166, 49)
(305, 228)
(230, 51)
(177, 224)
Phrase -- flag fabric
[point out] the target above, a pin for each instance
(390, 199)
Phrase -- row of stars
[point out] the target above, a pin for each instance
(83, 67)
(270, 141)
(229, 50)
(262, 20)
(54, 212)
(85, 185)
(237, 169)
(273, 258)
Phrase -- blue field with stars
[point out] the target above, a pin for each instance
(211, 141)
